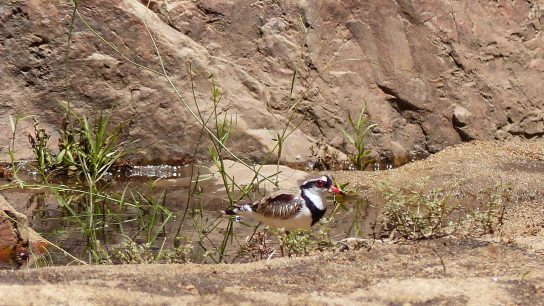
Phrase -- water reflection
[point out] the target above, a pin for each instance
(159, 171)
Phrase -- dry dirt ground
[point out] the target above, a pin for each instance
(506, 268)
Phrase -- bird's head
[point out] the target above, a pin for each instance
(320, 184)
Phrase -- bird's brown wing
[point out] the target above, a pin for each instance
(279, 206)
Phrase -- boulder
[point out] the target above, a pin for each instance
(417, 65)
(17, 241)
(287, 178)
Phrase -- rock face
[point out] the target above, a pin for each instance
(432, 73)
(16, 239)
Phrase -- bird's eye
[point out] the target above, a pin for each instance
(320, 183)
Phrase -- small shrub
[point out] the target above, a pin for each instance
(259, 246)
(135, 253)
(87, 148)
(490, 218)
(303, 242)
(417, 215)
(297, 243)
(360, 129)
(39, 143)
(83, 147)
(423, 216)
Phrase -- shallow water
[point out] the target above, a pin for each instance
(203, 227)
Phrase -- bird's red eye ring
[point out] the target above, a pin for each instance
(320, 183)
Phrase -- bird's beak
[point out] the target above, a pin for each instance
(336, 190)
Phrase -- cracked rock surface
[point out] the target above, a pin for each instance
(432, 73)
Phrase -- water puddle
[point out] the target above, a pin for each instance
(139, 228)
(156, 214)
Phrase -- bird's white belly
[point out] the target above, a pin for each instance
(302, 220)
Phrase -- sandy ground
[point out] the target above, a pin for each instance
(506, 268)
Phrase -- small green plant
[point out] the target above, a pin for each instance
(304, 242)
(84, 148)
(152, 216)
(351, 210)
(360, 129)
(421, 216)
(309, 241)
(134, 253)
(490, 218)
(417, 215)
(13, 123)
(45, 159)
(321, 237)
(297, 243)
(89, 151)
(258, 247)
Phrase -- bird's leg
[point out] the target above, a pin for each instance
(265, 248)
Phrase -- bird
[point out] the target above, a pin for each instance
(289, 210)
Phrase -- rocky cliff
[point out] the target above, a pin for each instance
(432, 73)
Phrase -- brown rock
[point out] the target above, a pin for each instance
(10, 239)
(461, 116)
(289, 179)
(16, 238)
(400, 155)
(408, 61)
(8, 235)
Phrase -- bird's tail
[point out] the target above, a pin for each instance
(236, 209)
(232, 211)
